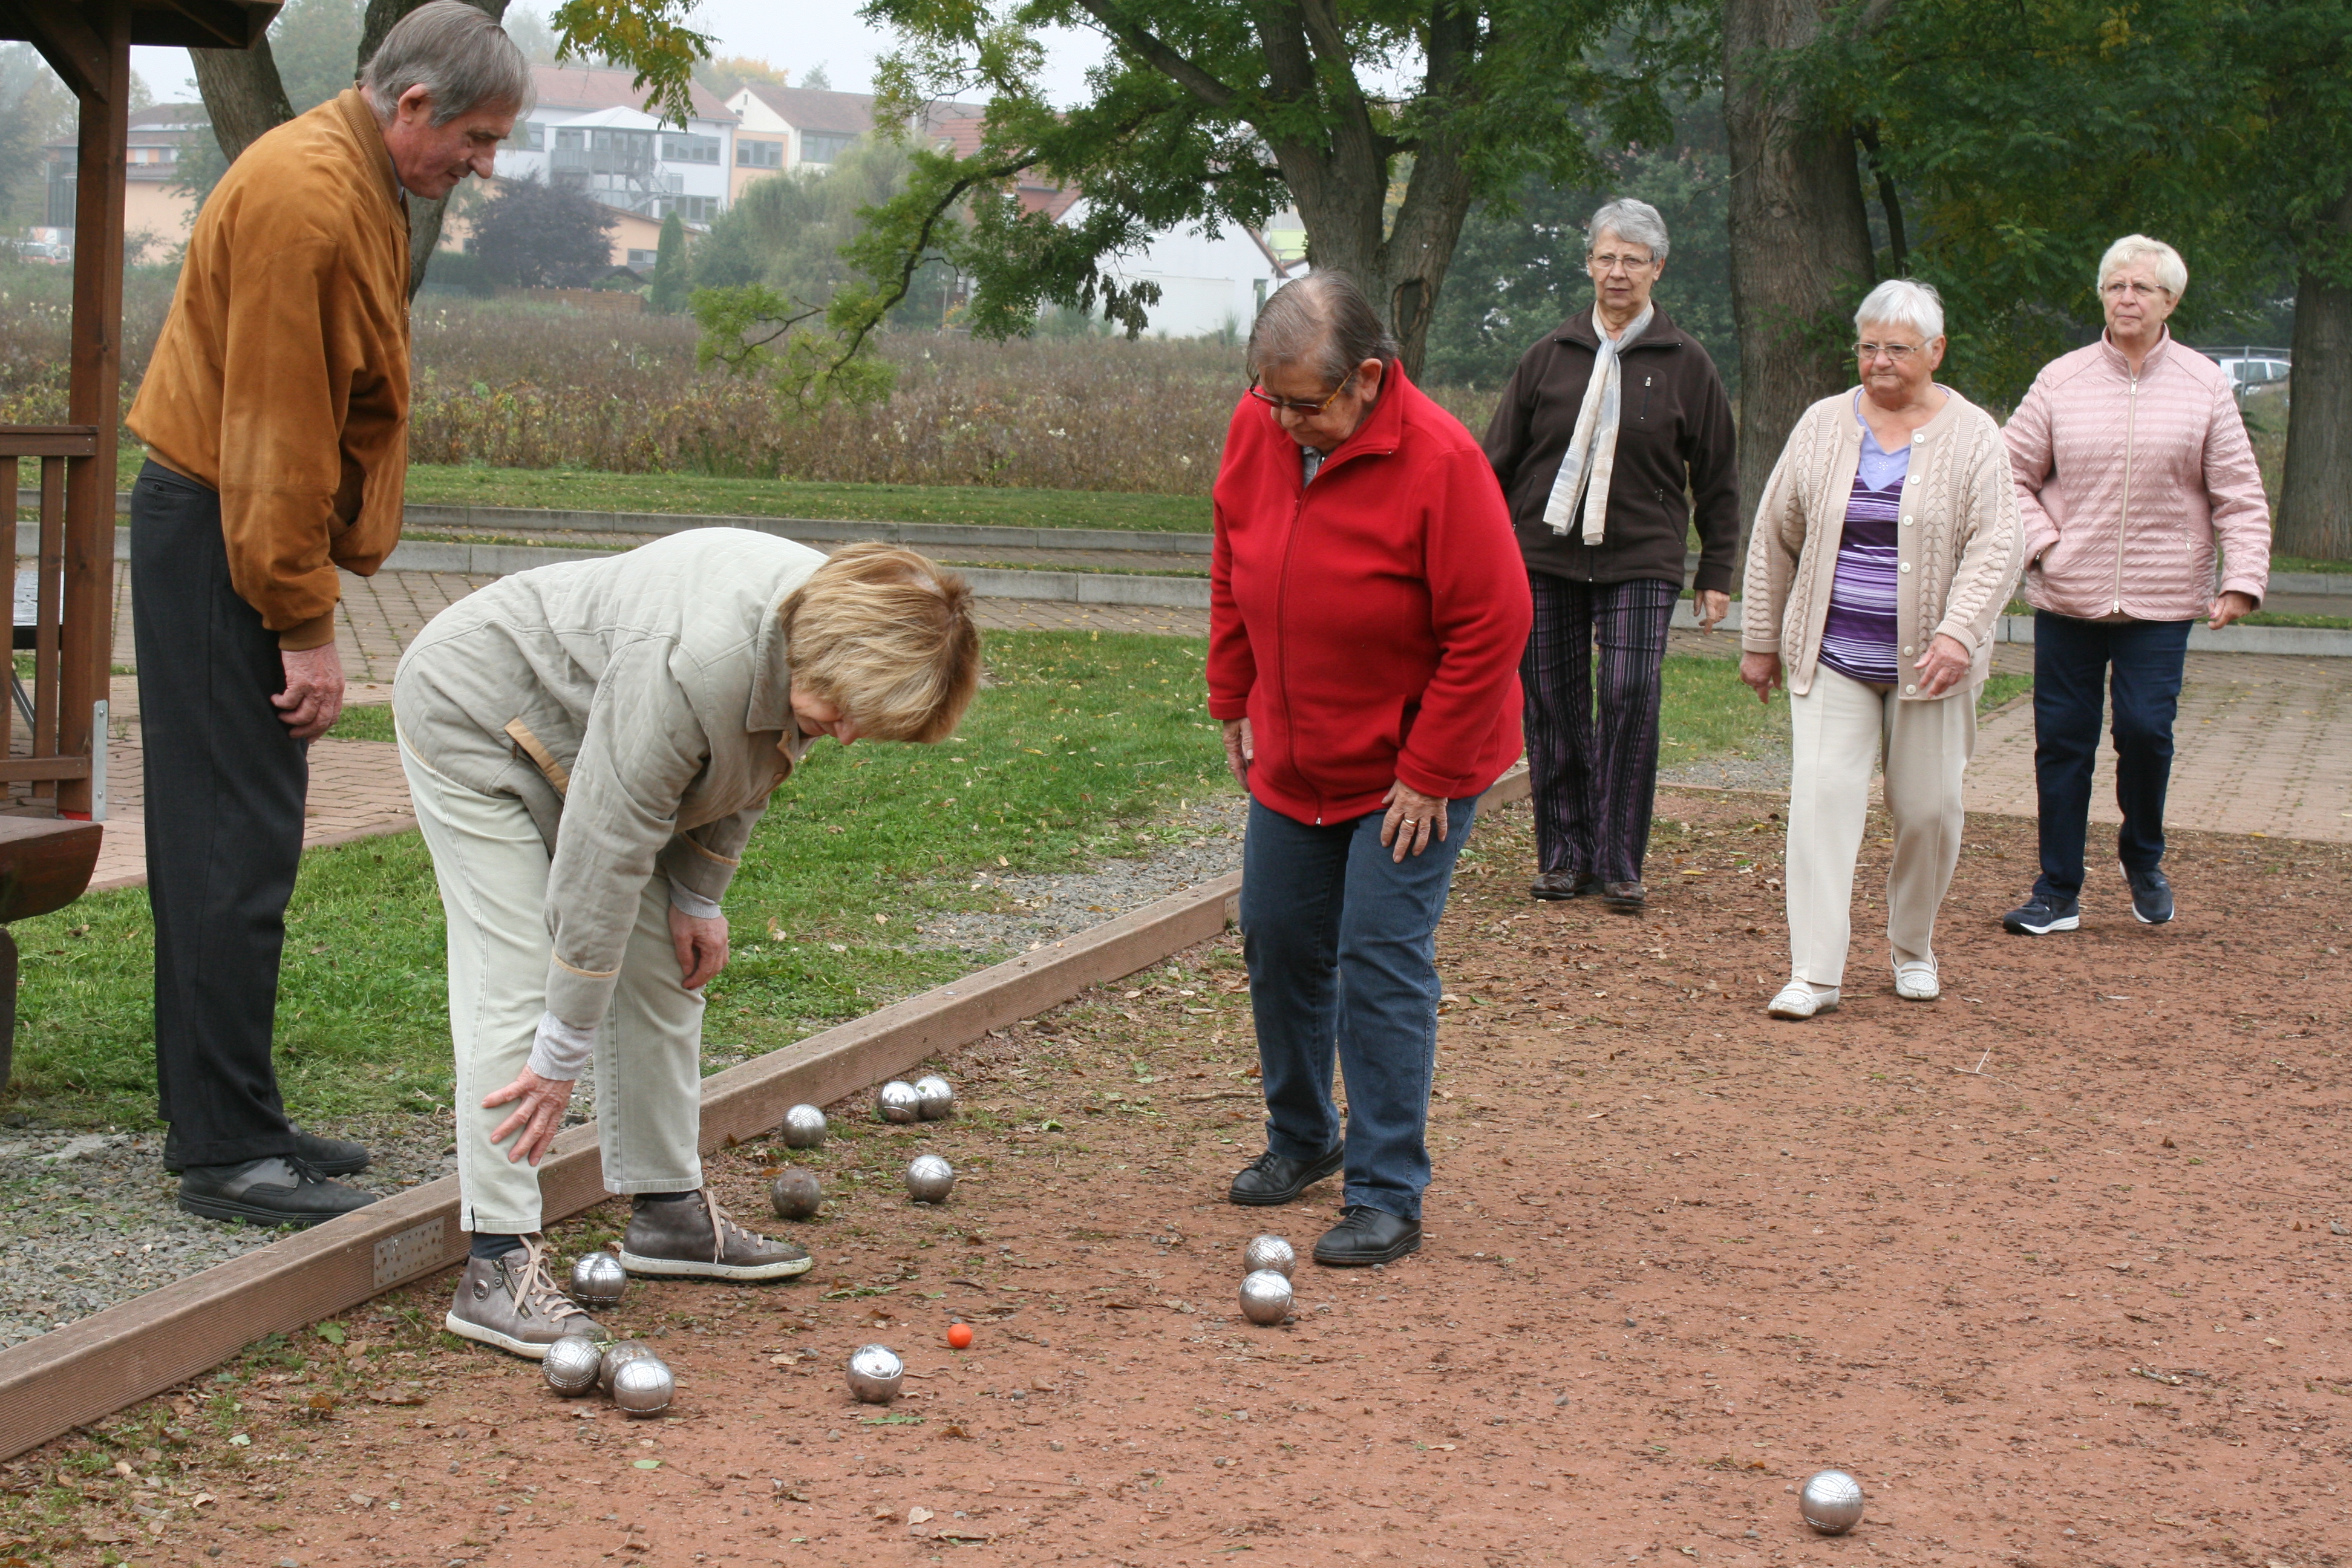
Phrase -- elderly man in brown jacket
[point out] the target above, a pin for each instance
(275, 415)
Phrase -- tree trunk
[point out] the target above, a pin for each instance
(242, 94)
(2315, 503)
(1800, 237)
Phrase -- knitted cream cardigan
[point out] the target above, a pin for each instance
(1960, 545)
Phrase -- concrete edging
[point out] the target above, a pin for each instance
(91, 1368)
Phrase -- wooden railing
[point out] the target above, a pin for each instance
(70, 631)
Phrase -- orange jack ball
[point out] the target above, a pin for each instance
(960, 1336)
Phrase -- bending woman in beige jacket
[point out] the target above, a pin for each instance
(645, 705)
(1883, 550)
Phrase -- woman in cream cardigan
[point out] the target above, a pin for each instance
(1884, 547)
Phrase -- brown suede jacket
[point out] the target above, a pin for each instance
(1675, 457)
(281, 377)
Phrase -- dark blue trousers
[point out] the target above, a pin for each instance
(2077, 665)
(1341, 943)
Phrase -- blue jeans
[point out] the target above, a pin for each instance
(2141, 662)
(1342, 948)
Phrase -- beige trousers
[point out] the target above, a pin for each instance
(1839, 730)
(492, 866)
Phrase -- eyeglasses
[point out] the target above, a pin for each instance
(1605, 264)
(1295, 405)
(1898, 352)
(2116, 287)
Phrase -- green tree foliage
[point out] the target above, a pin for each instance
(315, 42)
(668, 297)
(1215, 112)
(35, 110)
(724, 75)
(1518, 270)
(531, 234)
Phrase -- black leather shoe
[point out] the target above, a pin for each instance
(328, 1157)
(1270, 1179)
(276, 1191)
(1365, 1236)
(1556, 885)
(1625, 898)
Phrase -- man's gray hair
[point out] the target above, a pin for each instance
(1634, 222)
(454, 52)
(1902, 302)
(1321, 321)
(2171, 272)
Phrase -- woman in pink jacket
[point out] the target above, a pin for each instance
(2132, 466)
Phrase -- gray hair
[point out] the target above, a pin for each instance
(1634, 222)
(2171, 272)
(454, 52)
(1904, 302)
(1322, 319)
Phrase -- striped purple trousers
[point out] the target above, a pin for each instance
(1595, 777)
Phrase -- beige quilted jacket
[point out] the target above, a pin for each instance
(1959, 545)
(638, 706)
(2127, 483)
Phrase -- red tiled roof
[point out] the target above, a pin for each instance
(607, 86)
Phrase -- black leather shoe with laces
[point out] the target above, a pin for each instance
(1367, 1235)
(328, 1157)
(276, 1191)
(1273, 1179)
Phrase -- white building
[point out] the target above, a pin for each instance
(1206, 286)
(589, 128)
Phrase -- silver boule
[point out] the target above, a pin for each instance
(898, 1101)
(930, 1178)
(873, 1373)
(934, 1097)
(598, 1279)
(618, 1354)
(796, 1194)
(803, 1128)
(645, 1386)
(1830, 1502)
(571, 1364)
(1265, 1296)
(1270, 1252)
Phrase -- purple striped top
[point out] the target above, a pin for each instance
(1858, 632)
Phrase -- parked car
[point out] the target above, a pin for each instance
(2250, 369)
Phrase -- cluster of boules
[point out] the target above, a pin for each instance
(874, 1374)
(637, 1381)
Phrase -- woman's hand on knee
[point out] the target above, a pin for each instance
(701, 946)
(1761, 672)
(537, 1116)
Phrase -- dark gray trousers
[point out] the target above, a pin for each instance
(225, 788)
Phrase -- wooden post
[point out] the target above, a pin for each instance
(95, 399)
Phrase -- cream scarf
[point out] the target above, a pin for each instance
(1592, 449)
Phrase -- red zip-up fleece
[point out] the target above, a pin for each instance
(1369, 624)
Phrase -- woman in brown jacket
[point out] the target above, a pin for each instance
(1613, 438)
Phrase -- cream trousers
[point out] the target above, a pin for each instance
(1839, 730)
(492, 866)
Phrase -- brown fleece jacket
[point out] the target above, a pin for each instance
(281, 377)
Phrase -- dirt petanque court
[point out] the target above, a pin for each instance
(2056, 1265)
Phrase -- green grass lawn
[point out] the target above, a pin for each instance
(1070, 754)
(560, 489)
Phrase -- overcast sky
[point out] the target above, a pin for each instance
(796, 37)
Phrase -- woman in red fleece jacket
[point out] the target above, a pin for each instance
(1368, 611)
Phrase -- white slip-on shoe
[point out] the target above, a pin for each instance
(1915, 980)
(1798, 999)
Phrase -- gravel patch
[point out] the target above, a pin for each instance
(1764, 768)
(90, 1220)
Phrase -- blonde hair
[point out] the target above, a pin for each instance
(888, 637)
(2171, 272)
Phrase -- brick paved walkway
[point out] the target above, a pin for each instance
(2265, 743)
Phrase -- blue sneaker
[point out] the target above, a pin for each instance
(2151, 894)
(2042, 914)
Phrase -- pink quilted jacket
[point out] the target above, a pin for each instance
(2125, 484)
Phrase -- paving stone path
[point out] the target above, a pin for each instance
(2265, 742)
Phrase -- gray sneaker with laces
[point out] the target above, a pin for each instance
(693, 1237)
(512, 1302)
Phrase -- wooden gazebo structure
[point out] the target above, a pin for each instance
(45, 862)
